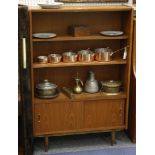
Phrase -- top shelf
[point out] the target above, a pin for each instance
(82, 9)
(72, 38)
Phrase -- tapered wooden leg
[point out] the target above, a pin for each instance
(46, 143)
(113, 137)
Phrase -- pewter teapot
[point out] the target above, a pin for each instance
(91, 85)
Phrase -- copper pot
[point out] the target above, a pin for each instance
(54, 58)
(103, 54)
(85, 56)
(69, 57)
(42, 59)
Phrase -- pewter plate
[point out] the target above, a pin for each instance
(105, 93)
(48, 97)
(44, 35)
(111, 33)
(54, 5)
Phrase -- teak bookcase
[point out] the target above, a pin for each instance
(86, 113)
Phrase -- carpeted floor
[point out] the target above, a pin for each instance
(89, 144)
(106, 151)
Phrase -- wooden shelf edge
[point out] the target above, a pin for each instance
(72, 38)
(80, 131)
(94, 63)
(82, 97)
(82, 9)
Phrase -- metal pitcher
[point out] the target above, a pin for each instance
(91, 85)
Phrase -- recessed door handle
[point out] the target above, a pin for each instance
(38, 118)
(24, 52)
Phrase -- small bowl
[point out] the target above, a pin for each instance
(42, 59)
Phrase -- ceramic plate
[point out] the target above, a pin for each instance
(111, 33)
(43, 35)
(54, 5)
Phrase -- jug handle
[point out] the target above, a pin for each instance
(81, 82)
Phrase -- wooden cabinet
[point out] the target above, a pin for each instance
(78, 116)
(97, 112)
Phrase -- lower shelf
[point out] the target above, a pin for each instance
(82, 97)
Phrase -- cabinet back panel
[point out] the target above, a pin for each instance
(46, 48)
(55, 74)
(60, 22)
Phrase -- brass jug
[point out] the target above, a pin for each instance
(78, 87)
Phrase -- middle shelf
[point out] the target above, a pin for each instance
(94, 63)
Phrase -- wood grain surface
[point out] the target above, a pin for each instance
(87, 112)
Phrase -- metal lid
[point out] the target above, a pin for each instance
(102, 50)
(68, 53)
(42, 57)
(85, 52)
(111, 83)
(54, 55)
(46, 85)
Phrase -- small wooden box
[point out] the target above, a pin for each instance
(79, 30)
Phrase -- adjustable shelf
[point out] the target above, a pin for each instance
(94, 63)
(72, 38)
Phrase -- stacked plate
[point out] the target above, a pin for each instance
(52, 5)
(111, 33)
(44, 35)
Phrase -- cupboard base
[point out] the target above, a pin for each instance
(46, 139)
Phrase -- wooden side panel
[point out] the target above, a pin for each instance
(132, 107)
(24, 74)
(106, 113)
